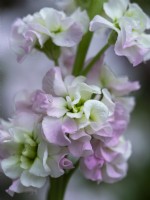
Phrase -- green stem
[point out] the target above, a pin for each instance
(57, 188)
(94, 8)
(58, 185)
(81, 53)
(93, 61)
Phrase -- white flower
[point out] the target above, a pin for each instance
(130, 23)
(48, 23)
(29, 159)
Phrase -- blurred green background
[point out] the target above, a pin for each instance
(136, 186)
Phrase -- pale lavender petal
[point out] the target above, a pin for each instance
(40, 101)
(66, 164)
(52, 130)
(57, 108)
(17, 187)
(53, 83)
(69, 38)
(100, 22)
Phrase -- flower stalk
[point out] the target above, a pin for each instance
(58, 185)
(94, 7)
(93, 61)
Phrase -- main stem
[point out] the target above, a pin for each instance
(58, 185)
(57, 188)
(93, 61)
(94, 8)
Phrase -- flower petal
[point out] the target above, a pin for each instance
(100, 22)
(115, 8)
(52, 129)
(29, 180)
(53, 83)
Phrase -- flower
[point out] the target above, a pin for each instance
(72, 98)
(130, 23)
(118, 90)
(23, 38)
(29, 160)
(119, 87)
(33, 31)
(36, 101)
(75, 108)
(108, 163)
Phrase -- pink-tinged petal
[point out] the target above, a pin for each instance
(108, 163)
(119, 86)
(131, 45)
(100, 22)
(80, 148)
(17, 187)
(22, 39)
(4, 136)
(53, 83)
(26, 121)
(82, 18)
(128, 103)
(80, 135)
(90, 169)
(66, 163)
(57, 108)
(105, 132)
(113, 174)
(52, 130)
(40, 101)
(70, 37)
(124, 148)
(124, 86)
(90, 162)
(107, 154)
(135, 53)
(80, 144)
(54, 165)
(69, 126)
(22, 101)
(94, 74)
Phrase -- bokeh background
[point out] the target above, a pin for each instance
(15, 77)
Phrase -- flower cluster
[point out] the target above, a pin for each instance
(73, 119)
(48, 26)
(68, 119)
(130, 23)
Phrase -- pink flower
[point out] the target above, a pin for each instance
(73, 110)
(108, 163)
(37, 102)
(118, 86)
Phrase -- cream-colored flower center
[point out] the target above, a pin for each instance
(28, 152)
